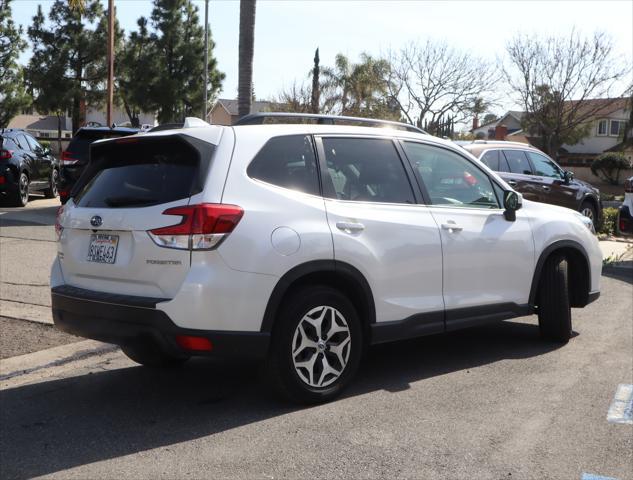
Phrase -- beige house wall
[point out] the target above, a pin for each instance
(219, 116)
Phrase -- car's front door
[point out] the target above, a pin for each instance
(378, 227)
(554, 189)
(488, 261)
(520, 175)
(29, 157)
(43, 161)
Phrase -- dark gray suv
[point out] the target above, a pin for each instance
(538, 177)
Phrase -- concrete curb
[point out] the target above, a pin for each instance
(52, 357)
(26, 311)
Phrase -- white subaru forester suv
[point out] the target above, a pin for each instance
(303, 244)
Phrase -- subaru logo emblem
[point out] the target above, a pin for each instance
(96, 221)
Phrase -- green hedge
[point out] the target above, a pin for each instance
(609, 221)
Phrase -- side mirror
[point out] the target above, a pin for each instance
(568, 177)
(511, 203)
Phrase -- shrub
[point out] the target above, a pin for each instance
(608, 167)
(609, 221)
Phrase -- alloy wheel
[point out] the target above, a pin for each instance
(24, 188)
(588, 212)
(321, 346)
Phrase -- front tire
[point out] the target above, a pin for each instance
(147, 353)
(316, 345)
(554, 311)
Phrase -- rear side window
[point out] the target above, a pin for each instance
(491, 159)
(8, 144)
(367, 170)
(518, 162)
(139, 174)
(21, 141)
(287, 162)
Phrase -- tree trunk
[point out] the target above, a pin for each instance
(316, 88)
(59, 133)
(246, 51)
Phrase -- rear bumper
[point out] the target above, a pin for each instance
(122, 319)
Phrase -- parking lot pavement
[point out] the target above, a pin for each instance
(488, 402)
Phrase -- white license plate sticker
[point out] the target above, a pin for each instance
(103, 248)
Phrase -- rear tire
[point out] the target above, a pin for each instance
(319, 328)
(21, 195)
(147, 353)
(554, 311)
(51, 191)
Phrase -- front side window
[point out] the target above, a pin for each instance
(287, 162)
(617, 126)
(602, 127)
(35, 147)
(544, 166)
(450, 179)
(367, 170)
(518, 162)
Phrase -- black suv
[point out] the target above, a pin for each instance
(75, 157)
(25, 166)
(538, 177)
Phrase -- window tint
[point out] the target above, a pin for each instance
(450, 179)
(287, 162)
(518, 162)
(8, 144)
(367, 170)
(21, 141)
(139, 175)
(544, 166)
(602, 127)
(491, 158)
(79, 146)
(33, 143)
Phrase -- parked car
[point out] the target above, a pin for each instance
(302, 245)
(25, 167)
(75, 158)
(625, 213)
(538, 177)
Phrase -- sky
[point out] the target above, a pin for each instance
(288, 31)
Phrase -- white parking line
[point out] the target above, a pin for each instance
(591, 476)
(621, 409)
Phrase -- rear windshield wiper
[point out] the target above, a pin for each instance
(128, 201)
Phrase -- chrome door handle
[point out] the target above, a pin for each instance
(512, 183)
(452, 227)
(350, 227)
(546, 188)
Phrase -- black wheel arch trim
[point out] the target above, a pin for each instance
(285, 283)
(558, 245)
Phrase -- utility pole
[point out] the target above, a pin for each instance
(110, 60)
(206, 59)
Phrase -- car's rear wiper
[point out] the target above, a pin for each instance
(128, 201)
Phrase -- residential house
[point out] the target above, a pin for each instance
(224, 112)
(511, 120)
(42, 126)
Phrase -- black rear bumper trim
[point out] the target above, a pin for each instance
(109, 318)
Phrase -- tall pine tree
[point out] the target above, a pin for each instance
(67, 69)
(13, 97)
(177, 81)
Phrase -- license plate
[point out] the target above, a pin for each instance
(103, 248)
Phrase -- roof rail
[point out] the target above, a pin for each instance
(501, 141)
(259, 118)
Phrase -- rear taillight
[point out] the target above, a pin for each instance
(189, 342)
(628, 186)
(624, 225)
(6, 154)
(2, 179)
(203, 226)
(67, 158)
(58, 225)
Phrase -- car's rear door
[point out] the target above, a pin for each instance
(520, 175)
(105, 244)
(379, 228)
(488, 261)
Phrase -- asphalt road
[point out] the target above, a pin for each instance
(485, 403)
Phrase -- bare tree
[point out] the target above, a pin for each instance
(295, 99)
(431, 80)
(556, 80)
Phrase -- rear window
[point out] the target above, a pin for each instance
(139, 174)
(80, 143)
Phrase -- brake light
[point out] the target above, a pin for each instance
(2, 179)
(58, 225)
(189, 342)
(203, 226)
(67, 158)
(628, 186)
(6, 154)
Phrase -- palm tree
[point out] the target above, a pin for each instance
(246, 52)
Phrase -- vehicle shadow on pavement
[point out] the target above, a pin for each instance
(22, 217)
(63, 423)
